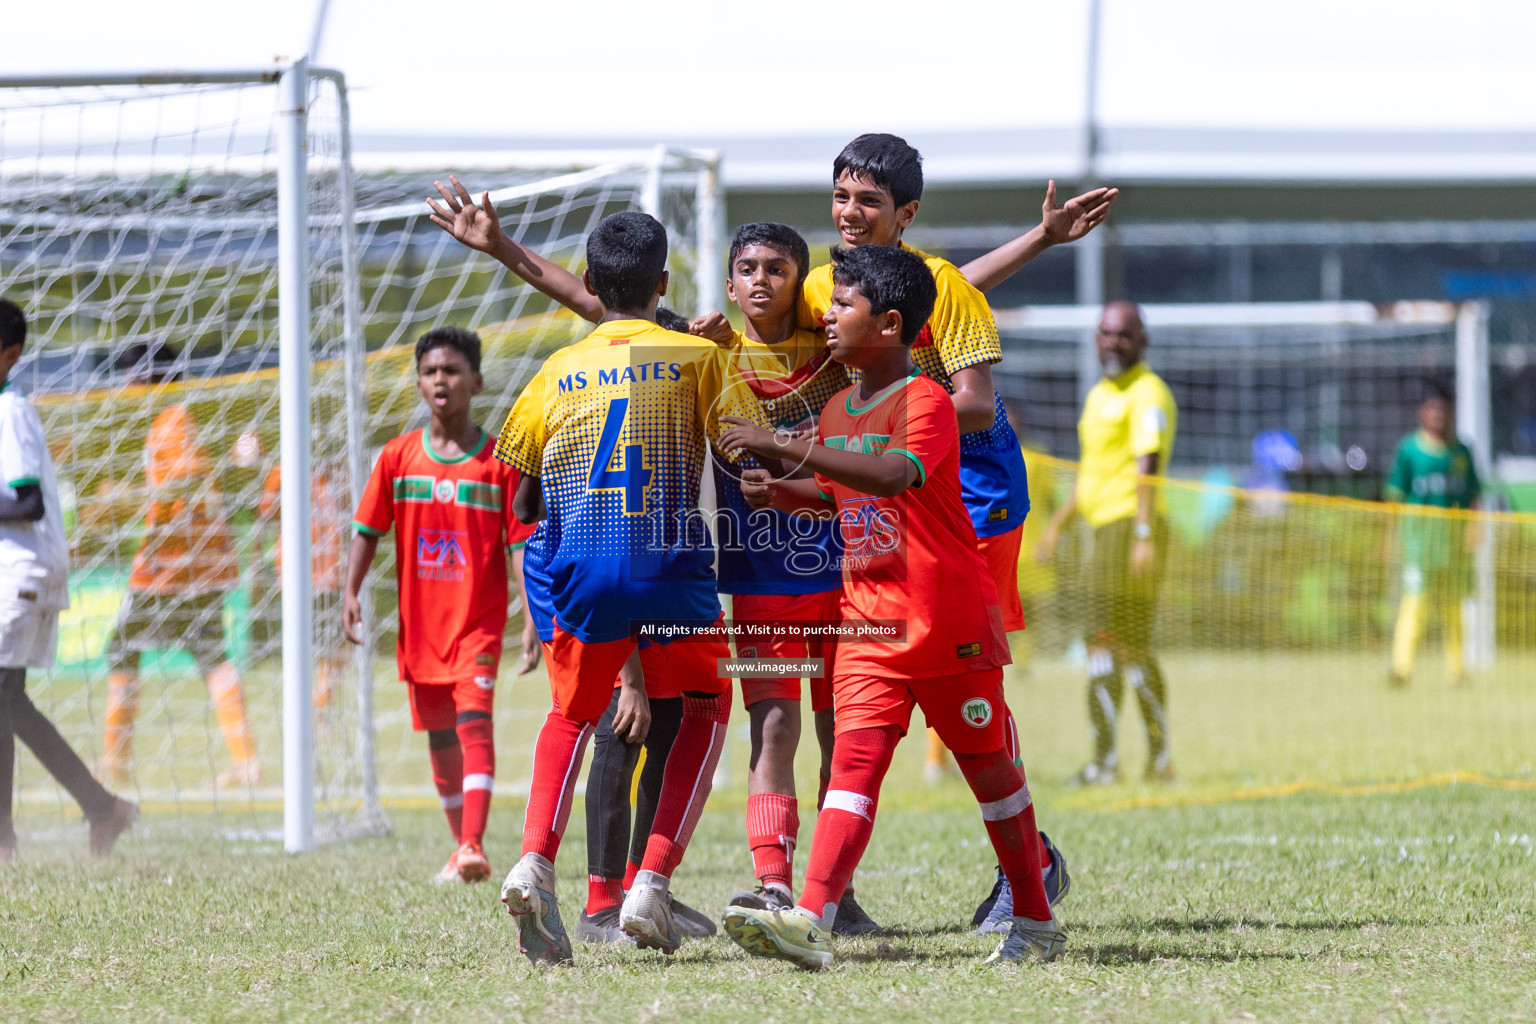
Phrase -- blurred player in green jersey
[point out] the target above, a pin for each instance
(1433, 469)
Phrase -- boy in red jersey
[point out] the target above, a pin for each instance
(450, 503)
(611, 434)
(889, 465)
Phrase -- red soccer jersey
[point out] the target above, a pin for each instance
(911, 558)
(453, 523)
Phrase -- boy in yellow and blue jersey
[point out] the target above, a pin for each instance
(611, 435)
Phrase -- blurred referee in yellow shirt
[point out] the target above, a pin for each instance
(1126, 436)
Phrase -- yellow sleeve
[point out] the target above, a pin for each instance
(962, 324)
(723, 392)
(815, 297)
(526, 431)
(1152, 414)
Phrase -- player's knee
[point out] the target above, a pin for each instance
(716, 707)
(781, 727)
(863, 750)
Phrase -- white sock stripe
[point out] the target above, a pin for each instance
(1007, 807)
(450, 802)
(1101, 664)
(1137, 676)
(848, 800)
(479, 781)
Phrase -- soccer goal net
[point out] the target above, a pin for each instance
(1287, 592)
(141, 230)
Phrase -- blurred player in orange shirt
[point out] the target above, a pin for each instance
(181, 572)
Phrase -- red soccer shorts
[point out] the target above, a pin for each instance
(436, 706)
(1002, 555)
(766, 609)
(966, 710)
(656, 666)
(581, 675)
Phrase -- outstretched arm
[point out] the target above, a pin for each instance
(1058, 224)
(479, 228)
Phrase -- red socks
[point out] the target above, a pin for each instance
(478, 744)
(557, 757)
(1015, 754)
(686, 784)
(448, 776)
(1009, 813)
(859, 763)
(603, 893)
(773, 823)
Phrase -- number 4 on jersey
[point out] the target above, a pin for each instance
(635, 477)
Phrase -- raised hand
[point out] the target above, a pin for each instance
(1080, 215)
(476, 226)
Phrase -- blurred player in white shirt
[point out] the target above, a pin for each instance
(34, 588)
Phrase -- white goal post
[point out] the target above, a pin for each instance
(259, 164)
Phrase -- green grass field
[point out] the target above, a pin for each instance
(1204, 905)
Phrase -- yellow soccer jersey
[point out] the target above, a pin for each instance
(761, 552)
(618, 426)
(1127, 417)
(792, 380)
(960, 333)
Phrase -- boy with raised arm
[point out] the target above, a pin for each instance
(877, 183)
(777, 572)
(888, 468)
(449, 501)
(611, 434)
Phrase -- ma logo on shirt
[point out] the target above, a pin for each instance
(439, 549)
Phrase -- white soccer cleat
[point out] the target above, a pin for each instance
(527, 877)
(529, 894)
(1028, 939)
(647, 916)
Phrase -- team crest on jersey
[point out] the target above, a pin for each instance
(440, 555)
(977, 712)
(443, 491)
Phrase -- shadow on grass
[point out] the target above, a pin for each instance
(1119, 954)
(1226, 924)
